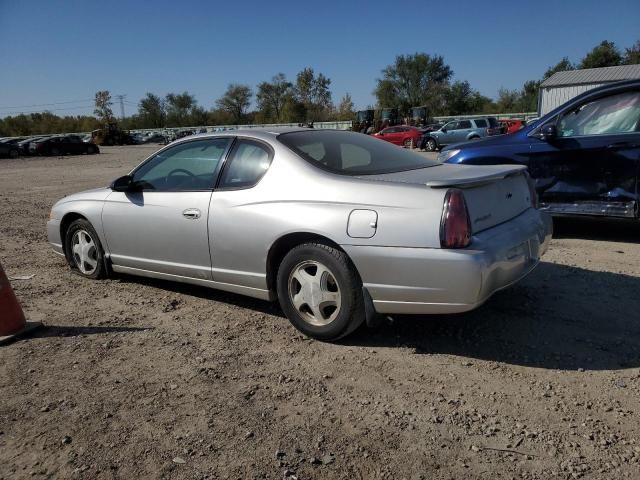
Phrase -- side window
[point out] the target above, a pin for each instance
(187, 166)
(314, 150)
(464, 124)
(606, 116)
(481, 123)
(451, 126)
(249, 161)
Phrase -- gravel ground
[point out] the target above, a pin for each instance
(135, 378)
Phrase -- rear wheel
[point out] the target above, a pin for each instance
(91, 150)
(407, 143)
(13, 153)
(430, 145)
(320, 291)
(84, 251)
(55, 151)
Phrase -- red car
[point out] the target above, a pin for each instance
(400, 135)
(511, 125)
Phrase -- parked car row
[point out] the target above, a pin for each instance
(51, 145)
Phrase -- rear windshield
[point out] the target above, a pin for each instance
(350, 153)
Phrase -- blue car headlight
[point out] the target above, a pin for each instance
(447, 154)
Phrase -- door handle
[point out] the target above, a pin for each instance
(191, 213)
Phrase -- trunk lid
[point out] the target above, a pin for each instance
(494, 193)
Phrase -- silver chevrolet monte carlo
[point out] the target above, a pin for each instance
(338, 226)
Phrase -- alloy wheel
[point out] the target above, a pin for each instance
(314, 293)
(85, 253)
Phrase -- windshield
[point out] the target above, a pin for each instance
(350, 153)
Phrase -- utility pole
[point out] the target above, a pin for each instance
(121, 99)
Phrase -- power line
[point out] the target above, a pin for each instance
(48, 110)
(4, 107)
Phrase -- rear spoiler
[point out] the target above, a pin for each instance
(501, 171)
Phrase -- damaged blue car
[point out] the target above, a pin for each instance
(584, 156)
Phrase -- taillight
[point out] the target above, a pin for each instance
(533, 195)
(455, 226)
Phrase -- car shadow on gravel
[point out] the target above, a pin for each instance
(560, 317)
(269, 308)
(601, 229)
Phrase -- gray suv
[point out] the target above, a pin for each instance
(457, 131)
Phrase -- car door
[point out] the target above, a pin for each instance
(161, 225)
(446, 135)
(237, 216)
(73, 145)
(390, 134)
(463, 131)
(591, 165)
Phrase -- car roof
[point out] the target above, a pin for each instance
(264, 133)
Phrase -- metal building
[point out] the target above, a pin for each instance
(563, 86)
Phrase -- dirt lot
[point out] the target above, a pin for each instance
(135, 378)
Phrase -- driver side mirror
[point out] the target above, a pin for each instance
(549, 132)
(122, 184)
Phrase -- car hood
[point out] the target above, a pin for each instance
(87, 195)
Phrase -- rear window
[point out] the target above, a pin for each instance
(464, 124)
(350, 153)
(481, 123)
(493, 123)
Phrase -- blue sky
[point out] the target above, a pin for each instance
(64, 51)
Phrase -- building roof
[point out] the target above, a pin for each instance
(593, 75)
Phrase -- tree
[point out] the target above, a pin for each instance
(604, 55)
(273, 96)
(561, 66)
(346, 109)
(529, 96)
(313, 94)
(152, 111)
(414, 80)
(632, 54)
(103, 107)
(460, 99)
(235, 101)
(508, 100)
(179, 108)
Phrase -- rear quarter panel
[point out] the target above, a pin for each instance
(294, 197)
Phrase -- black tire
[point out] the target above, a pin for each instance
(55, 151)
(96, 254)
(14, 153)
(430, 145)
(407, 143)
(350, 314)
(91, 150)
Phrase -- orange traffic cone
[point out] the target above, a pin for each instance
(12, 320)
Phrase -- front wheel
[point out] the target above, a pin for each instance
(84, 251)
(430, 145)
(320, 291)
(408, 143)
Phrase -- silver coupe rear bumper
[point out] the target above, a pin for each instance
(433, 280)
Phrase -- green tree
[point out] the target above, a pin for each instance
(346, 108)
(103, 107)
(178, 107)
(152, 111)
(413, 80)
(272, 98)
(561, 66)
(508, 100)
(461, 99)
(313, 95)
(632, 54)
(606, 54)
(235, 101)
(529, 96)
